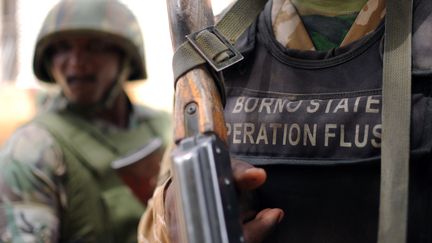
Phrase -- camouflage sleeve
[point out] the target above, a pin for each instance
(30, 189)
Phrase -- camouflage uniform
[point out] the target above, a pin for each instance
(290, 31)
(33, 194)
(31, 182)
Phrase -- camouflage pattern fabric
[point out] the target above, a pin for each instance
(31, 192)
(304, 25)
(328, 32)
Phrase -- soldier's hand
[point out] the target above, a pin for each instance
(256, 226)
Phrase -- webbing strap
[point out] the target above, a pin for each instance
(93, 153)
(95, 149)
(396, 115)
(214, 49)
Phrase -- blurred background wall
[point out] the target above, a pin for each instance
(20, 92)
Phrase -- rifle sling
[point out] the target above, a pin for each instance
(396, 116)
(214, 48)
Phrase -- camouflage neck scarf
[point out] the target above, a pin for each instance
(330, 8)
(311, 31)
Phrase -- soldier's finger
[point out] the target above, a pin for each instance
(247, 176)
(266, 220)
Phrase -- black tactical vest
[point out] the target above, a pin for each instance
(313, 121)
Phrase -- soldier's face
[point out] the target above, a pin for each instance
(85, 68)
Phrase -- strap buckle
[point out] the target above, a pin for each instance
(234, 55)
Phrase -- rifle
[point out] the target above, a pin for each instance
(202, 176)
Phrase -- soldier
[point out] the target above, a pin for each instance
(61, 174)
(303, 112)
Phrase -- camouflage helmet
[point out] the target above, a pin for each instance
(108, 19)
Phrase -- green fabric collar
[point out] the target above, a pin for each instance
(328, 7)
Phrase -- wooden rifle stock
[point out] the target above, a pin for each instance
(197, 103)
(202, 177)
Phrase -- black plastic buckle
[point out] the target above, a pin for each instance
(218, 66)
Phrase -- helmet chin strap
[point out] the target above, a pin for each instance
(111, 95)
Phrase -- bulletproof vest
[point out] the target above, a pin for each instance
(313, 121)
(100, 207)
